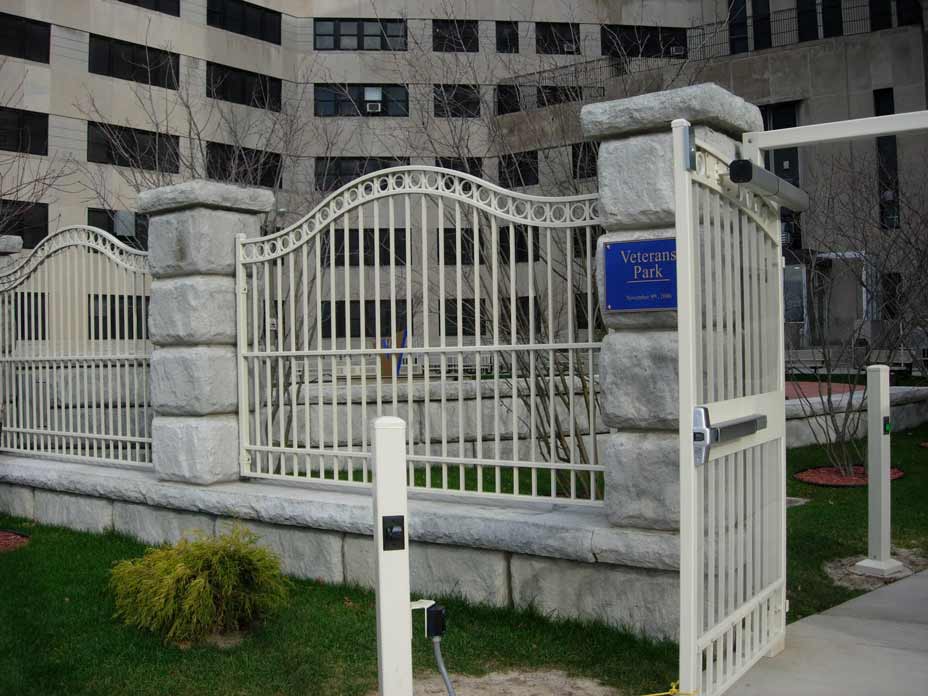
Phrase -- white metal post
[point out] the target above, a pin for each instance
(391, 541)
(879, 542)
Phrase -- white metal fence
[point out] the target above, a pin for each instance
(74, 350)
(467, 310)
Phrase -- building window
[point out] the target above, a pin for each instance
(628, 41)
(24, 219)
(23, 131)
(349, 249)
(468, 319)
(128, 227)
(785, 164)
(244, 18)
(243, 165)
(243, 87)
(359, 34)
(519, 169)
(890, 295)
(561, 38)
(335, 172)
(447, 246)
(507, 37)
(117, 317)
(887, 163)
(549, 95)
(455, 36)
(738, 26)
(468, 165)
(457, 101)
(582, 312)
(171, 7)
(583, 158)
(361, 100)
(832, 19)
(508, 99)
(129, 61)
(908, 12)
(24, 38)
(132, 147)
(760, 22)
(881, 15)
(350, 326)
(807, 17)
(522, 242)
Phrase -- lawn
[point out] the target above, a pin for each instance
(57, 635)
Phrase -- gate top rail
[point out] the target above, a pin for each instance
(519, 208)
(94, 238)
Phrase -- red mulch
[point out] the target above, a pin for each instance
(10, 541)
(829, 476)
(796, 390)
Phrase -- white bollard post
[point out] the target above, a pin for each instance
(879, 542)
(391, 542)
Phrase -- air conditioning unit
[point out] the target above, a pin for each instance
(678, 51)
(373, 107)
(570, 48)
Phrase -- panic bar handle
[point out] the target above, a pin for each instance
(705, 434)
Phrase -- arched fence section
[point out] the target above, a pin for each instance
(467, 310)
(74, 350)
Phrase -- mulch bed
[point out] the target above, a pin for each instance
(829, 476)
(10, 541)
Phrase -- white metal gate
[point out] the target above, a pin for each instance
(74, 350)
(467, 310)
(732, 420)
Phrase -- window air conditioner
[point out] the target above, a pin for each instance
(677, 51)
(570, 48)
(373, 107)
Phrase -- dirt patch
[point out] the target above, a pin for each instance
(10, 541)
(843, 573)
(831, 477)
(220, 641)
(512, 684)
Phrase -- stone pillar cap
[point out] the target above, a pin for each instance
(706, 105)
(205, 194)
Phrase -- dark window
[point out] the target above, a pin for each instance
(350, 325)
(32, 325)
(582, 312)
(24, 38)
(628, 41)
(521, 236)
(519, 169)
(468, 322)
(244, 18)
(455, 35)
(832, 20)
(508, 99)
(243, 165)
(361, 100)
(891, 292)
(335, 172)
(785, 164)
(447, 246)
(583, 160)
(23, 131)
(359, 34)
(507, 37)
(348, 247)
(129, 227)
(881, 14)
(738, 26)
(242, 87)
(887, 163)
(117, 317)
(807, 17)
(760, 20)
(908, 12)
(129, 61)
(548, 95)
(561, 38)
(468, 165)
(132, 147)
(171, 7)
(457, 101)
(24, 219)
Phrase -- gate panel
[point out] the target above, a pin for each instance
(465, 309)
(74, 350)
(732, 413)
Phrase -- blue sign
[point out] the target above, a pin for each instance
(641, 276)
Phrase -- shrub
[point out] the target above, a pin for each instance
(199, 586)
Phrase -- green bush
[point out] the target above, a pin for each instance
(200, 586)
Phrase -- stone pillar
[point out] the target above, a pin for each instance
(192, 324)
(638, 363)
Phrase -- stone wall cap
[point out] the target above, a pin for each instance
(706, 104)
(205, 194)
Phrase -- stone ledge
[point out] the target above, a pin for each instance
(578, 534)
(205, 194)
(815, 406)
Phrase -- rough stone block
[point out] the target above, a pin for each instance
(192, 310)
(638, 380)
(158, 526)
(643, 479)
(312, 554)
(476, 575)
(646, 601)
(73, 511)
(10, 244)
(706, 104)
(194, 381)
(18, 501)
(199, 450)
(200, 193)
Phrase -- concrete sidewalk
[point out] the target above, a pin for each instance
(874, 644)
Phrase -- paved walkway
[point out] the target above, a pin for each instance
(874, 644)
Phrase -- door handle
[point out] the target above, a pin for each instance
(705, 434)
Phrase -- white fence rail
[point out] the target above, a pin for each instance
(74, 350)
(465, 309)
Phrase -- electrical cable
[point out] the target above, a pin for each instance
(436, 649)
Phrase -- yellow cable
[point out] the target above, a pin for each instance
(674, 691)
